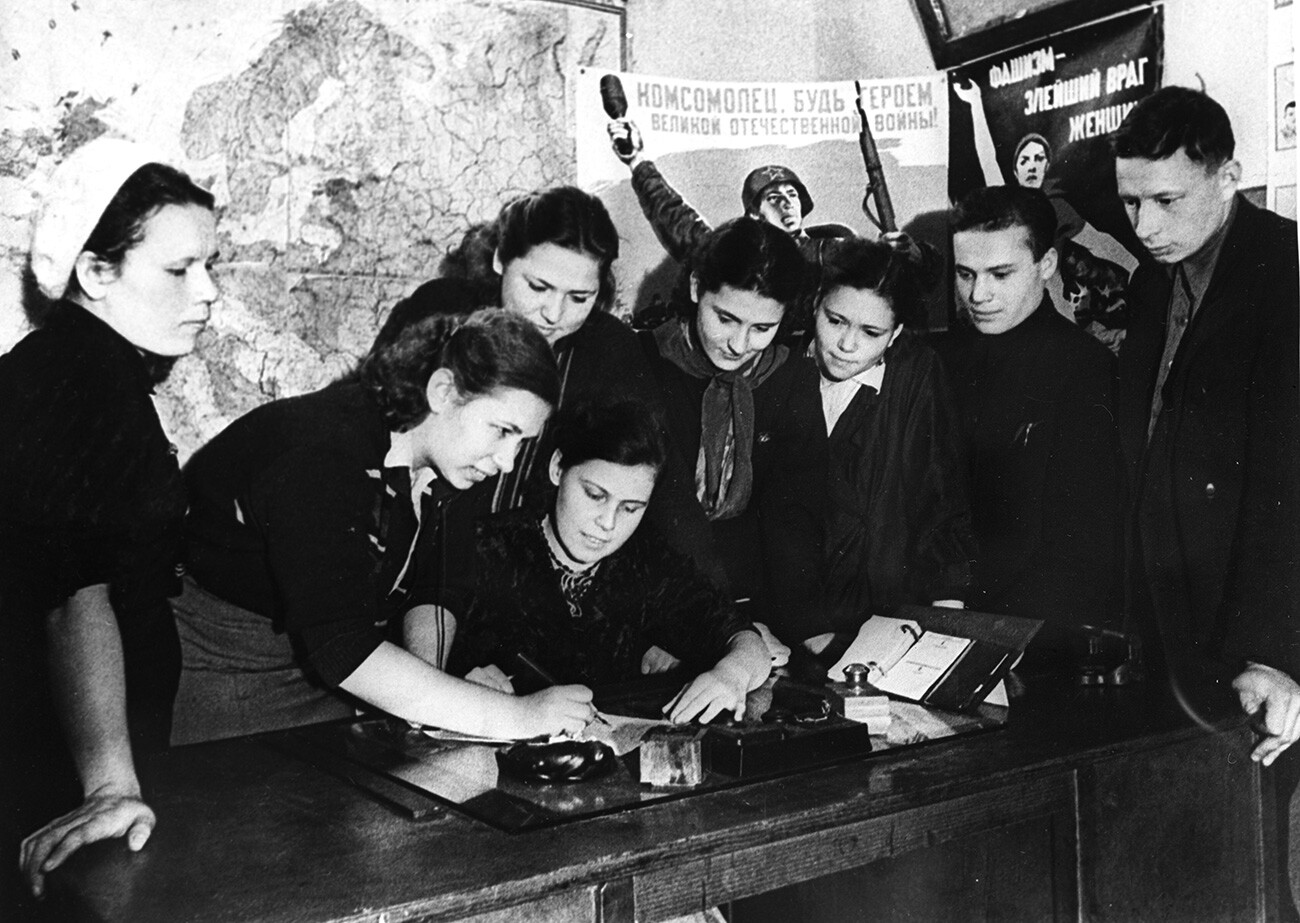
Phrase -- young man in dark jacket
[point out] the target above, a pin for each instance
(1033, 396)
(1209, 417)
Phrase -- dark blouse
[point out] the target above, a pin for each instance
(294, 516)
(644, 594)
(90, 493)
(771, 552)
(898, 523)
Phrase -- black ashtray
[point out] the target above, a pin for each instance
(557, 761)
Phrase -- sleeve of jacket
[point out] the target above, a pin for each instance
(790, 513)
(945, 539)
(1262, 597)
(675, 222)
(690, 617)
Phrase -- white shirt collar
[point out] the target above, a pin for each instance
(837, 395)
(401, 454)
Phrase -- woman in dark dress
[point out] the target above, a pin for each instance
(584, 592)
(743, 416)
(315, 521)
(91, 500)
(897, 519)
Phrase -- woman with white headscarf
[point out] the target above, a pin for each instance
(91, 498)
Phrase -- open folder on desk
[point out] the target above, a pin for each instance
(946, 658)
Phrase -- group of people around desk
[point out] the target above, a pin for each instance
(513, 476)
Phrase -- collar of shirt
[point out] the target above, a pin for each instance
(1199, 267)
(837, 395)
(401, 454)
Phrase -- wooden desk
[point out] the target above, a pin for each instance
(1093, 804)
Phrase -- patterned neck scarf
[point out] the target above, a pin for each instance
(574, 584)
(724, 473)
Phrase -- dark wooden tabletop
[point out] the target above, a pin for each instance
(247, 833)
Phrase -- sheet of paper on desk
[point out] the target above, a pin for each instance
(924, 665)
(623, 734)
(882, 641)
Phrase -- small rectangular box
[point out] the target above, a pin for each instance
(671, 757)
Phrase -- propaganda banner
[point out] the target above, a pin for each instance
(704, 137)
(1041, 115)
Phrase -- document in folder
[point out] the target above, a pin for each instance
(950, 659)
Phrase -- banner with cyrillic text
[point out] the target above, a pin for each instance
(704, 137)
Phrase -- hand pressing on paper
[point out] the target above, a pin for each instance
(746, 666)
(713, 692)
(1267, 689)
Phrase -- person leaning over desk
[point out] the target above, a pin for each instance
(91, 500)
(315, 520)
(593, 598)
(737, 413)
(897, 519)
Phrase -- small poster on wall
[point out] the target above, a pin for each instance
(1281, 112)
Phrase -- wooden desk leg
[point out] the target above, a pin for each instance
(615, 901)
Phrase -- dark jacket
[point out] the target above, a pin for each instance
(644, 594)
(1215, 495)
(90, 493)
(1045, 483)
(898, 523)
(771, 552)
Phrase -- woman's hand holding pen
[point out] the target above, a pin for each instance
(556, 710)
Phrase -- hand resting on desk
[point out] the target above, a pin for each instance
(104, 815)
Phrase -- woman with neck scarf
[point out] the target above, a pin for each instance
(736, 413)
(592, 598)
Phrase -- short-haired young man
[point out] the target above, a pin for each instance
(1033, 394)
(1208, 411)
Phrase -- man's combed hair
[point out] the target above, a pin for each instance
(996, 208)
(1173, 119)
(750, 255)
(868, 265)
(484, 351)
(622, 432)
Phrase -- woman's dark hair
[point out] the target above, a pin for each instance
(484, 351)
(622, 432)
(867, 265)
(750, 255)
(149, 189)
(562, 215)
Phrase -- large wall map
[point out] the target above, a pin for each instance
(349, 143)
